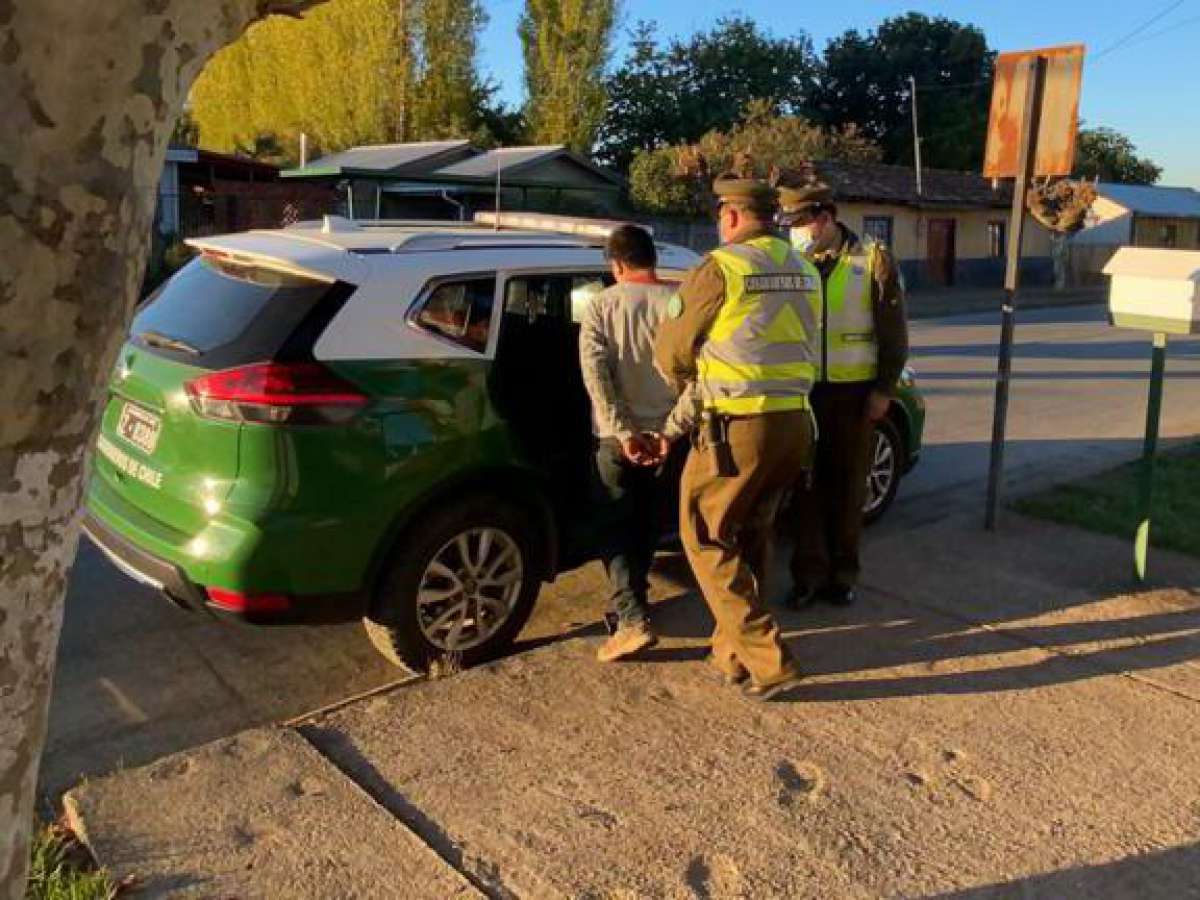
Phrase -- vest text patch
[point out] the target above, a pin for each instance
(768, 284)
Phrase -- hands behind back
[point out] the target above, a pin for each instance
(646, 449)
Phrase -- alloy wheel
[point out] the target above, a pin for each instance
(470, 589)
(882, 473)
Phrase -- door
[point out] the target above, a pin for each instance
(537, 385)
(940, 263)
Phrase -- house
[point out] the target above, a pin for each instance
(953, 232)
(201, 192)
(453, 180)
(1133, 215)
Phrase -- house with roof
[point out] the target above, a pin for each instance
(453, 180)
(1133, 215)
(949, 230)
(202, 192)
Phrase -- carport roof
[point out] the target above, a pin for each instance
(390, 158)
(456, 162)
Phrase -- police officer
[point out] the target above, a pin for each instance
(864, 344)
(742, 327)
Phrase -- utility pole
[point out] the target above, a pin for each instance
(912, 87)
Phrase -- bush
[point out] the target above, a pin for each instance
(677, 179)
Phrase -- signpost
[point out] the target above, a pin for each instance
(1031, 133)
(1155, 290)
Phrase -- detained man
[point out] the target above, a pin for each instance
(635, 416)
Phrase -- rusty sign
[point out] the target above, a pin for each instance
(1059, 114)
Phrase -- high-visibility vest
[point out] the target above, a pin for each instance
(760, 354)
(849, 351)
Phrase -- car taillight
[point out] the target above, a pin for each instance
(276, 393)
(232, 601)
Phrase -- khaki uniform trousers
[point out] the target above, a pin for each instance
(827, 511)
(727, 526)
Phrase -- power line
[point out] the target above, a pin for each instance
(1164, 31)
(1157, 17)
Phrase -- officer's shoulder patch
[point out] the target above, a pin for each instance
(675, 306)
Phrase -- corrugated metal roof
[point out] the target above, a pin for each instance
(1150, 200)
(505, 158)
(386, 157)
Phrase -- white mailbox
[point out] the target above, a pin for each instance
(1155, 289)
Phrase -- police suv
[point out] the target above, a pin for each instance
(383, 421)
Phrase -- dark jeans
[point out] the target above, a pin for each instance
(627, 503)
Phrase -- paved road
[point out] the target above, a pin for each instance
(1077, 405)
(138, 678)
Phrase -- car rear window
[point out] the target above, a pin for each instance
(215, 313)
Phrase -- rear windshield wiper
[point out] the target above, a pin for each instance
(158, 339)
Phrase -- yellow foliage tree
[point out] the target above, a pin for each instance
(352, 72)
(566, 45)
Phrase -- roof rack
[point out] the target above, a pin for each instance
(574, 225)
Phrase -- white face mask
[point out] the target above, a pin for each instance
(802, 238)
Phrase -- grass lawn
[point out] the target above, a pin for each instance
(60, 870)
(1108, 502)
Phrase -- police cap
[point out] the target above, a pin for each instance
(805, 197)
(754, 193)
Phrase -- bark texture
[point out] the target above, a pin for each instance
(90, 91)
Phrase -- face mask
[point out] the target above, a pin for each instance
(802, 238)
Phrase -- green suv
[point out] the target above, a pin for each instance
(342, 420)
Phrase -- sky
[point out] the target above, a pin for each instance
(1140, 88)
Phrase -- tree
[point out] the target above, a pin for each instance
(341, 74)
(865, 81)
(669, 181)
(1108, 155)
(354, 72)
(678, 93)
(566, 47)
(91, 93)
(446, 100)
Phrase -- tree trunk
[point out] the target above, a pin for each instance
(90, 93)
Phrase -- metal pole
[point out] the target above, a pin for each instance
(912, 86)
(497, 189)
(1141, 542)
(1034, 77)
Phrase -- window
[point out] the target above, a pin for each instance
(461, 311)
(584, 289)
(217, 314)
(878, 228)
(1168, 234)
(997, 246)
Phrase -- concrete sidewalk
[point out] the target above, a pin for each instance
(1002, 718)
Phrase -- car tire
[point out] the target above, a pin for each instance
(886, 466)
(460, 588)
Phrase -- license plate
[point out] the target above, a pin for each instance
(139, 427)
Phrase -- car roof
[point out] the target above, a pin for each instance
(338, 249)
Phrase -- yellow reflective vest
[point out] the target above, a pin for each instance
(849, 350)
(760, 353)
